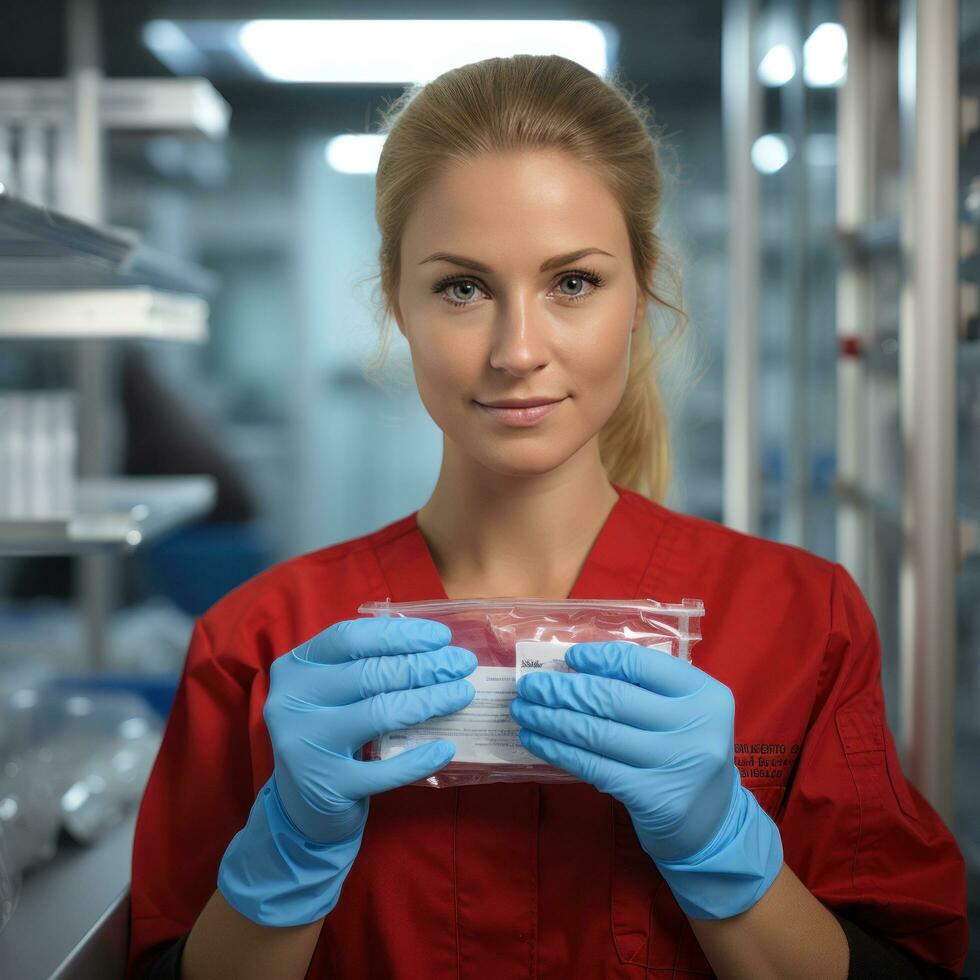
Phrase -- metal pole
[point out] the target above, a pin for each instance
(741, 113)
(854, 207)
(84, 57)
(795, 521)
(929, 107)
(94, 574)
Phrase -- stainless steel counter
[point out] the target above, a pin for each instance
(71, 919)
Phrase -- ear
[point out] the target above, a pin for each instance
(639, 313)
(396, 310)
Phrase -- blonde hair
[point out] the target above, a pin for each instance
(549, 102)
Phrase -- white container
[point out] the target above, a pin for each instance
(38, 455)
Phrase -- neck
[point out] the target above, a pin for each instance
(498, 535)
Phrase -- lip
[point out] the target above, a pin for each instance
(519, 402)
(530, 415)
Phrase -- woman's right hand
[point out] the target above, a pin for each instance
(354, 681)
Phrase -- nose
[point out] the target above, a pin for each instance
(520, 341)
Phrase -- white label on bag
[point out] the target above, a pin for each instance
(535, 655)
(482, 732)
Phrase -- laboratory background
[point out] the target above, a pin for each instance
(189, 318)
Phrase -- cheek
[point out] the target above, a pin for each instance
(444, 365)
(601, 357)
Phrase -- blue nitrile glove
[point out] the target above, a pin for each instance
(658, 734)
(352, 682)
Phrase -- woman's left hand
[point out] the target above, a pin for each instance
(651, 730)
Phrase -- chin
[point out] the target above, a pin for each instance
(529, 457)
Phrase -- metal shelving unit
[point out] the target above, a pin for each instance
(41, 246)
(62, 277)
(65, 275)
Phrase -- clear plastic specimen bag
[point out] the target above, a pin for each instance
(510, 637)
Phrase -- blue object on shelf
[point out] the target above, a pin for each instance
(157, 689)
(196, 565)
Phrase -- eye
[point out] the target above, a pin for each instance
(581, 278)
(578, 278)
(445, 285)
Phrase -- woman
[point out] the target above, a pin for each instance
(746, 817)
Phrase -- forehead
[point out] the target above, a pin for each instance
(522, 205)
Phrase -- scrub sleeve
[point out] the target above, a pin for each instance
(862, 838)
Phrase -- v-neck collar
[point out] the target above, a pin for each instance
(618, 565)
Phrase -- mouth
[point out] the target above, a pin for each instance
(519, 402)
(521, 415)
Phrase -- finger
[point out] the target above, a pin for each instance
(404, 768)
(394, 710)
(652, 669)
(382, 674)
(353, 639)
(623, 743)
(617, 700)
(355, 680)
(606, 775)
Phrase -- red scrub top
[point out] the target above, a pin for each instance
(549, 881)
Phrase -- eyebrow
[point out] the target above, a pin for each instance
(545, 266)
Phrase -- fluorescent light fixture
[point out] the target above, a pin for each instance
(771, 152)
(409, 51)
(173, 47)
(354, 153)
(825, 56)
(778, 66)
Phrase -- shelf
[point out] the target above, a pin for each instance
(31, 236)
(44, 249)
(187, 106)
(67, 920)
(113, 514)
(149, 267)
(82, 313)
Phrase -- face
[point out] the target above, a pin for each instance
(507, 317)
